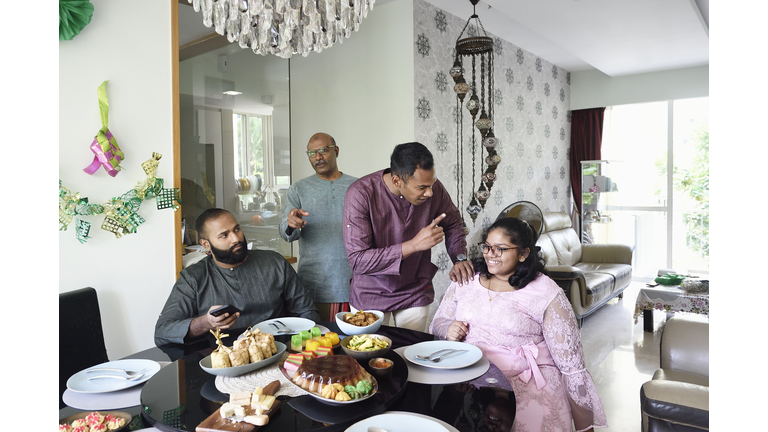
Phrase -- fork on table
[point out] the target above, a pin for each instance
(425, 357)
(442, 356)
(127, 372)
(284, 330)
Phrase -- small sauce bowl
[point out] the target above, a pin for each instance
(381, 367)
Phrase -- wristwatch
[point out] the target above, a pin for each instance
(460, 258)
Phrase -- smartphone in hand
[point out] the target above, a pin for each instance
(224, 309)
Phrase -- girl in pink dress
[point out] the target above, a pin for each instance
(525, 325)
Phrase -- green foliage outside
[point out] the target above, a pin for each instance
(256, 142)
(694, 183)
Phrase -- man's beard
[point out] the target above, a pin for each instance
(228, 256)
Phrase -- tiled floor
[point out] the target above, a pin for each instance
(621, 357)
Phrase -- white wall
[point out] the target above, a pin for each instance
(360, 92)
(129, 44)
(591, 89)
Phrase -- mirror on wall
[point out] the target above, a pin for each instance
(234, 132)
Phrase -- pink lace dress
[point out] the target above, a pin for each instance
(532, 336)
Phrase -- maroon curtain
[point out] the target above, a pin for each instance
(586, 139)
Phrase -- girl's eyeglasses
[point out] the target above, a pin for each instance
(494, 250)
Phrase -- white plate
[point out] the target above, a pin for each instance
(424, 375)
(456, 361)
(293, 323)
(244, 369)
(444, 424)
(397, 422)
(79, 381)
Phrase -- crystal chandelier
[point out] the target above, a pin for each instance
(478, 49)
(284, 27)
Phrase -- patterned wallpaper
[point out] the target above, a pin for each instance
(531, 120)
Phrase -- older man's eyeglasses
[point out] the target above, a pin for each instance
(321, 150)
(494, 250)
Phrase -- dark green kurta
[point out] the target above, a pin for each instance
(265, 286)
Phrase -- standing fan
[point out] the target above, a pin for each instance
(526, 211)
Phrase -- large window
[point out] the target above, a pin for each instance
(666, 217)
(249, 144)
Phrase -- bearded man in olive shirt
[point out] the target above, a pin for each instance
(261, 283)
(392, 219)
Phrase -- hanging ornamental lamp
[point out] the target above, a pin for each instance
(476, 52)
(284, 27)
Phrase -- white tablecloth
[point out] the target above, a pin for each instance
(670, 299)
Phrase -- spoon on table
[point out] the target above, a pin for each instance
(376, 429)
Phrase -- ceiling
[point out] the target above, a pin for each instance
(616, 37)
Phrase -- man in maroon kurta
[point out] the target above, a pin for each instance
(392, 219)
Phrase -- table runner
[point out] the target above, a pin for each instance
(260, 378)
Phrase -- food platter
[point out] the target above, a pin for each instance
(374, 389)
(123, 415)
(233, 371)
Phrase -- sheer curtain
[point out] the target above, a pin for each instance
(586, 139)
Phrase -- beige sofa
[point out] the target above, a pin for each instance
(590, 274)
(677, 397)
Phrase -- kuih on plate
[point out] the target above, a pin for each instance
(312, 339)
(119, 420)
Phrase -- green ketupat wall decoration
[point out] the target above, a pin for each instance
(74, 15)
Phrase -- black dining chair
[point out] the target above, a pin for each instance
(81, 337)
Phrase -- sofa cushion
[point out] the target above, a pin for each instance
(620, 273)
(607, 253)
(547, 252)
(599, 286)
(681, 376)
(554, 221)
(674, 406)
(685, 345)
(567, 246)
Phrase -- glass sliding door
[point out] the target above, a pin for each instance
(635, 140)
(690, 224)
(664, 216)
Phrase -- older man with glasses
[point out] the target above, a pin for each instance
(313, 216)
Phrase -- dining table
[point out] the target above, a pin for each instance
(182, 395)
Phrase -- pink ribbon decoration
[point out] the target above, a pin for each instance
(108, 157)
(530, 351)
(526, 358)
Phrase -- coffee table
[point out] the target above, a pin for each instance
(670, 299)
